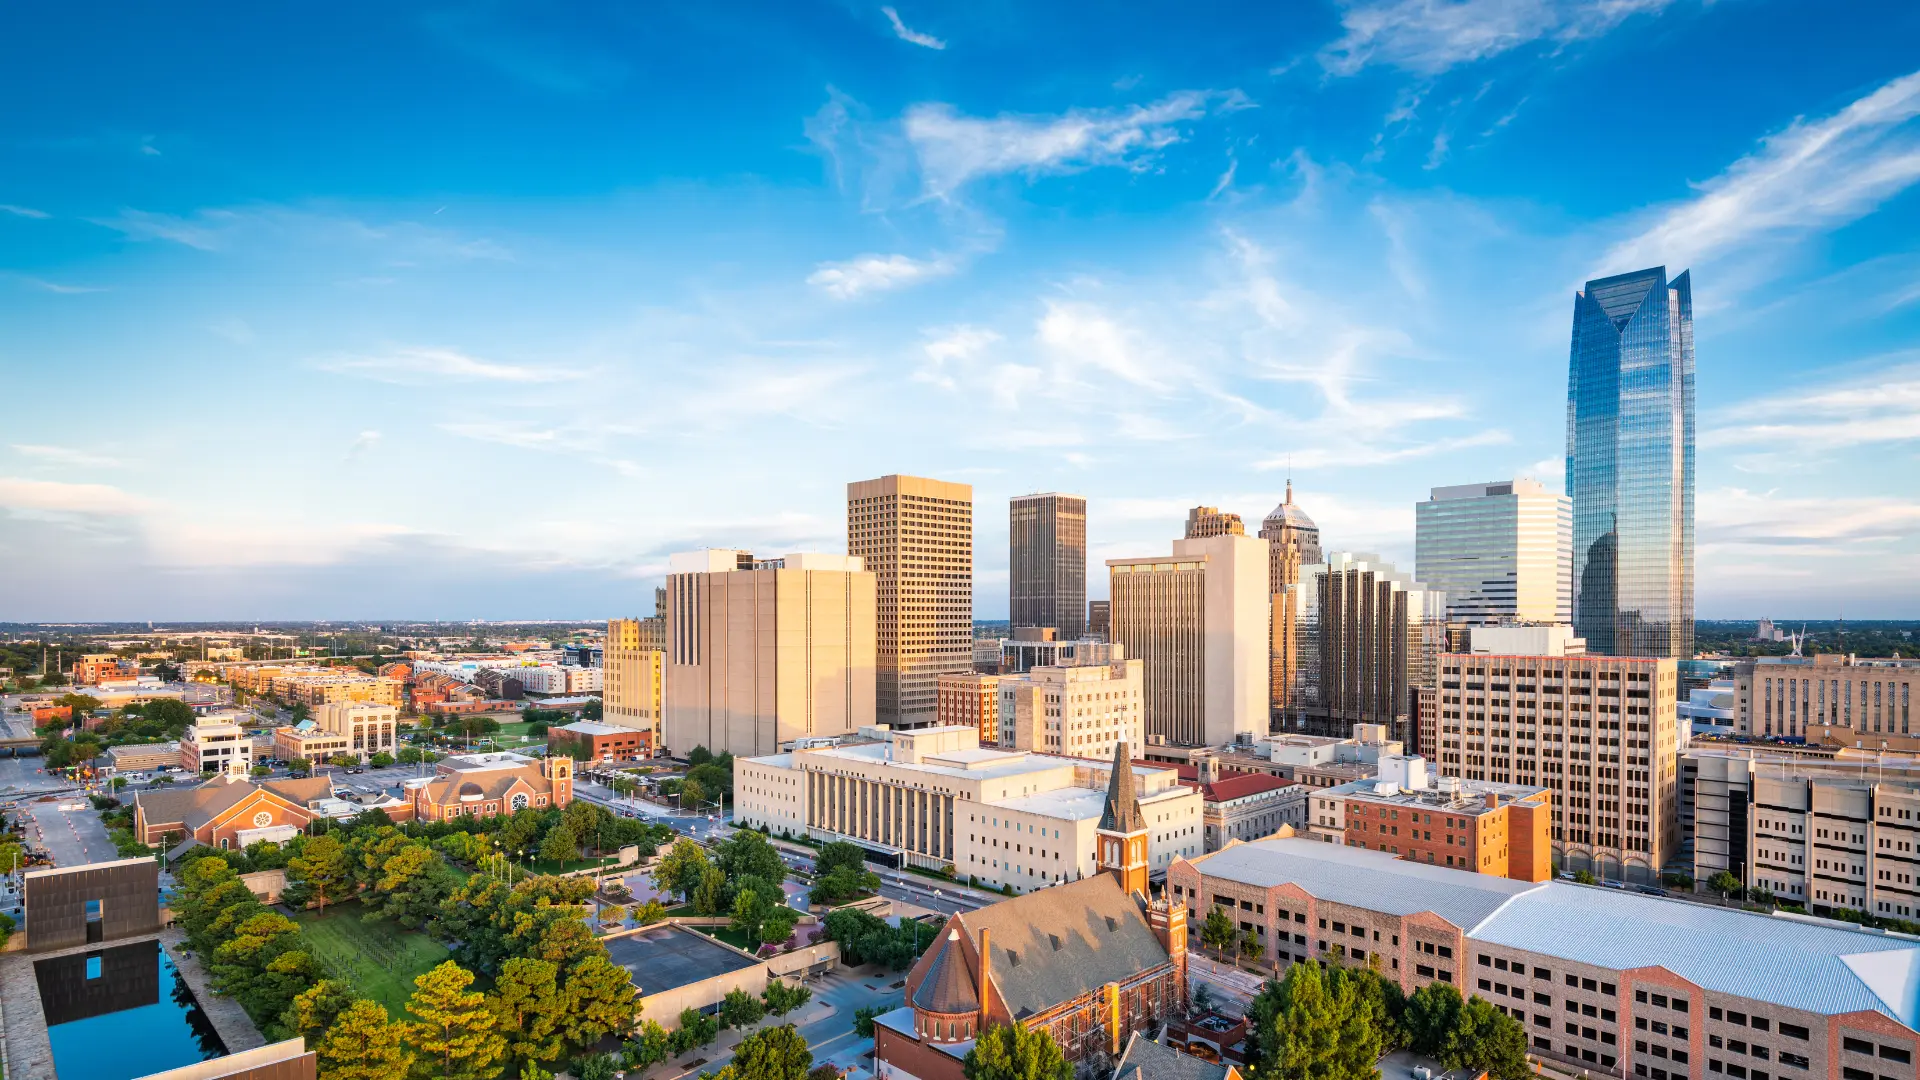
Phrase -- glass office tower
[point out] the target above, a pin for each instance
(1047, 563)
(1502, 552)
(1630, 464)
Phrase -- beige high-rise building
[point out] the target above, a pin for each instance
(763, 652)
(369, 728)
(1600, 731)
(1080, 711)
(1205, 521)
(633, 678)
(1199, 620)
(1293, 541)
(916, 538)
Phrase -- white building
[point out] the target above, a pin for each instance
(1081, 711)
(558, 679)
(1501, 552)
(216, 743)
(1538, 639)
(934, 797)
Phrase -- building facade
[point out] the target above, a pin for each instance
(1606, 981)
(1366, 639)
(1251, 807)
(1829, 699)
(229, 812)
(1047, 562)
(1080, 711)
(591, 740)
(1198, 619)
(1478, 825)
(487, 785)
(368, 728)
(934, 797)
(1205, 521)
(1293, 541)
(763, 653)
(1630, 464)
(971, 700)
(1100, 620)
(916, 537)
(633, 677)
(216, 744)
(1600, 731)
(1500, 552)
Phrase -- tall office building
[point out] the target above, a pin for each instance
(1366, 639)
(763, 652)
(1100, 619)
(916, 537)
(1630, 464)
(1293, 541)
(1047, 562)
(633, 678)
(1601, 731)
(1198, 619)
(1502, 552)
(1205, 521)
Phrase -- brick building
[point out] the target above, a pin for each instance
(599, 742)
(485, 785)
(968, 700)
(1487, 827)
(230, 812)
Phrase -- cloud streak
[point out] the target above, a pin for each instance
(1428, 37)
(901, 31)
(422, 364)
(877, 273)
(1880, 408)
(53, 496)
(66, 455)
(23, 211)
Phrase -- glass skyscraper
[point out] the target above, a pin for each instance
(1630, 464)
(1502, 552)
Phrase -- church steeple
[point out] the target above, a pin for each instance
(1123, 828)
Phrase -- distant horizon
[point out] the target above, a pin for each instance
(187, 626)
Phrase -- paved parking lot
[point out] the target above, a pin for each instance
(70, 830)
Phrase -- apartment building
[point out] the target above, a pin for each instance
(1829, 699)
(633, 679)
(1198, 618)
(1599, 731)
(1606, 981)
(1080, 711)
(970, 700)
(1478, 825)
(559, 679)
(328, 689)
(916, 537)
(94, 668)
(934, 797)
(217, 744)
(763, 652)
(1840, 833)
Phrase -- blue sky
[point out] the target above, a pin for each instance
(478, 312)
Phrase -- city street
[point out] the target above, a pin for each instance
(73, 836)
(826, 1023)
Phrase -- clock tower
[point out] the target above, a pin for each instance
(1122, 835)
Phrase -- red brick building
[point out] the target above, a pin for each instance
(230, 812)
(485, 785)
(599, 742)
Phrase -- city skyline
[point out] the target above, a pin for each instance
(268, 339)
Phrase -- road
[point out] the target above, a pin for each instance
(827, 1030)
(72, 836)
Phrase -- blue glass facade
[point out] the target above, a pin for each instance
(1630, 464)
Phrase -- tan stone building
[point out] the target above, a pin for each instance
(1198, 618)
(1599, 731)
(1605, 981)
(1293, 541)
(761, 653)
(971, 700)
(916, 537)
(332, 688)
(1829, 699)
(1205, 521)
(634, 679)
(1080, 711)
(369, 728)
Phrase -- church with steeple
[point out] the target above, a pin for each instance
(1091, 962)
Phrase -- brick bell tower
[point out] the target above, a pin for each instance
(1122, 835)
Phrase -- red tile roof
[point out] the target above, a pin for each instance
(1230, 788)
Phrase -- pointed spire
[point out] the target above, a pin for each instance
(1122, 812)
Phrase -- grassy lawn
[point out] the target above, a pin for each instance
(542, 866)
(732, 937)
(379, 958)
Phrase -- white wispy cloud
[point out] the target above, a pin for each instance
(416, 364)
(66, 455)
(877, 273)
(1879, 408)
(1816, 174)
(1430, 36)
(204, 231)
(901, 31)
(1743, 517)
(953, 149)
(362, 444)
(52, 496)
(60, 288)
(22, 211)
(505, 433)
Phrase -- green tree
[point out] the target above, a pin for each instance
(1584, 877)
(739, 1009)
(528, 1008)
(710, 897)
(782, 998)
(363, 1044)
(1321, 1023)
(698, 756)
(409, 755)
(1724, 883)
(599, 997)
(452, 1028)
(1465, 1034)
(171, 715)
(1250, 946)
(775, 1053)
(680, 871)
(380, 760)
(561, 846)
(696, 1029)
(776, 926)
(316, 1008)
(1218, 932)
(1012, 1052)
(300, 766)
(650, 1046)
(649, 913)
(324, 867)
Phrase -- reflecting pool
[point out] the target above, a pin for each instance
(121, 1011)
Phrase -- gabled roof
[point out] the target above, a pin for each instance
(1062, 941)
(195, 807)
(1228, 788)
(1145, 1059)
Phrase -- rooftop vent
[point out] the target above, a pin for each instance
(1112, 924)
(1055, 939)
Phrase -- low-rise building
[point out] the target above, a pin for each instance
(95, 668)
(229, 812)
(369, 728)
(1833, 699)
(1479, 825)
(1080, 711)
(934, 797)
(596, 741)
(1609, 982)
(140, 757)
(486, 785)
(308, 741)
(216, 744)
(558, 679)
(1317, 761)
(1250, 806)
(968, 699)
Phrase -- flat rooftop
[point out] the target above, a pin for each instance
(669, 957)
(1470, 798)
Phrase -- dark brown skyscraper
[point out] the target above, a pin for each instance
(1047, 563)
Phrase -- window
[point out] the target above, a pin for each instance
(1795, 1061)
(1791, 1031)
(1486, 961)
(1573, 980)
(1858, 1046)
(1713, 1012)
(1542, 973)
(1894, 1053)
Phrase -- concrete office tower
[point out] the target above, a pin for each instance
(1198, 619)
(1047, 563)
(1205, 521)
(1601, 731)
(760, 653)
(916, 538)
(633, 678)
(1293, 541)
(1829, 700)
(1366, 638)
(1630, 464)
(1502, 551)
